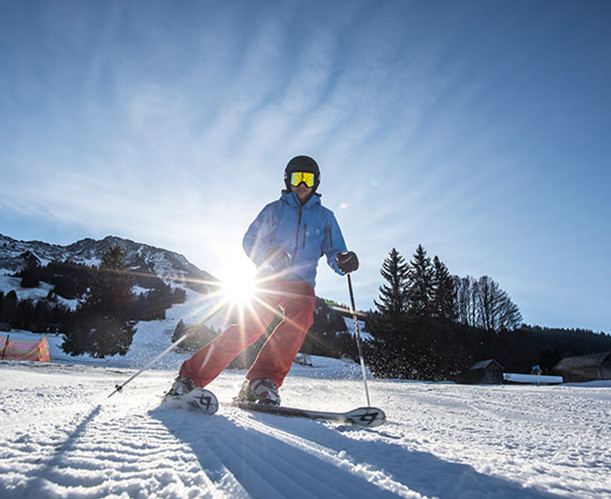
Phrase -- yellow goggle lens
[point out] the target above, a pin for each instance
(306, 177)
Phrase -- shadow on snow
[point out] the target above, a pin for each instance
(323, 461)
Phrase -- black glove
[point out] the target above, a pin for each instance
(276, 260)
(347, 262)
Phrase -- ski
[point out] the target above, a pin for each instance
(198, 399)
(367, 417)
(202, 400)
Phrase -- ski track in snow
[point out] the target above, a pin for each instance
(60, 436)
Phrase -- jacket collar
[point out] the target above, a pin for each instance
(292, 200)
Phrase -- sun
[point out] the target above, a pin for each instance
(238, 286)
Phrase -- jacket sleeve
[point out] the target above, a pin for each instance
(258, 236)
(333, 243)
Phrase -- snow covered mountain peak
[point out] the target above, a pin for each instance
(168, 265)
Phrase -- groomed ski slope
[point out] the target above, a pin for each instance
(60, 436)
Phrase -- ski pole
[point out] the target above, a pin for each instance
(357, 336)
(118, 388)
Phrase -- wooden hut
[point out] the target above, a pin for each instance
(594, 366)
(488, 372)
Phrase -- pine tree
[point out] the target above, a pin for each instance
(9, 309)
(179, 331)
(420, 285)
(198, 335)
(393, 296)
(444, 294)
(101, 326)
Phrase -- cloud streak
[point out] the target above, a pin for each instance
(469, 130)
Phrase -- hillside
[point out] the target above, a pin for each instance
(30, 273)
(143, 259)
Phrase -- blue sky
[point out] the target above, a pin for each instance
(479, 129)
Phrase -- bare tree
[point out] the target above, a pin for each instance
(465, 300)
(482, 303)
(495, 310)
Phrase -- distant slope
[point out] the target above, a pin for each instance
(142, 258)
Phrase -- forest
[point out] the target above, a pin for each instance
(107, 308)
(427, 323)
(431, 325)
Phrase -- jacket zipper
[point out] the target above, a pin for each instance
(305, 231)
(297, 234)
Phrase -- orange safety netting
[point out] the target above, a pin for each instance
(24, 350)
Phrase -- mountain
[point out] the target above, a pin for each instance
(144, 260)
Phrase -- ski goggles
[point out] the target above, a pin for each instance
(306, 177)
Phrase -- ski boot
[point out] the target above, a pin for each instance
(259, 391)
(181, 386)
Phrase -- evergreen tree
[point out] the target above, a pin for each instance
(325, 335)
(390, 320)
(420, 284)
(71, 279)
(24, 314)
(31, 275)
(444, 294)
(179, 331)
(101, 326)
(9, 309)
(198, 335)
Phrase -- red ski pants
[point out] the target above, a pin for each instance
(296, 299)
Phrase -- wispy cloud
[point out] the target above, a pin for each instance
(459, 127)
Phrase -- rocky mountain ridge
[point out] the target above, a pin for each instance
(142, 258)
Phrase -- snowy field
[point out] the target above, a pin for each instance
(61, 436)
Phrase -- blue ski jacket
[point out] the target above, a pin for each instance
(306, 232)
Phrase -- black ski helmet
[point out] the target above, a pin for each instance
(301, 164)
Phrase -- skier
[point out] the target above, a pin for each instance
(285, 241)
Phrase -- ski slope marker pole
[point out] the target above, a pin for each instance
(357, 336)
(118, 388)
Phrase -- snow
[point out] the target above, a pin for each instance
(8, 284)
(532, 379)
(62, 436)
(363, 334)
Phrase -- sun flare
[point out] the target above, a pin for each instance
(238, 288)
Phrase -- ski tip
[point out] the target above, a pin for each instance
(198, 399)
(204, 400)
(367, 417)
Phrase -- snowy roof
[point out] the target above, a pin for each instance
(590, 360)
(532, 379)
(483, 364)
